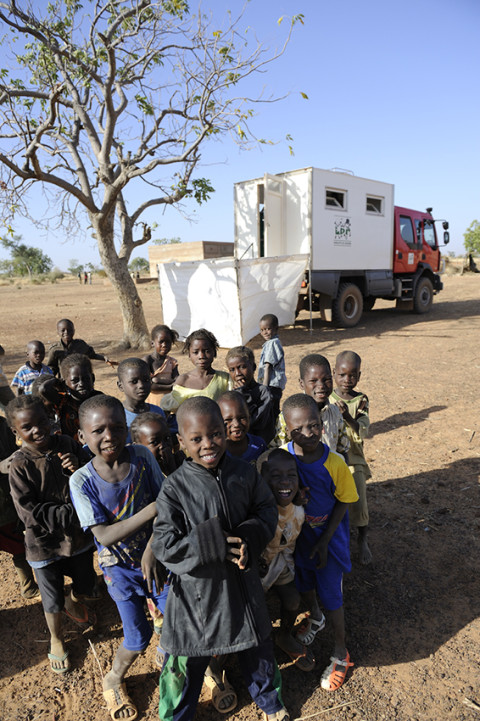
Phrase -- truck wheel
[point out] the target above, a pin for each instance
(423, 299)
(347, 307)
(369, 302)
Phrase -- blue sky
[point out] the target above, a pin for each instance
(393, 96)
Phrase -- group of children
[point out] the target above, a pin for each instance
(200, 497)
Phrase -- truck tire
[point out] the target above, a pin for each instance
(347, 307)
(423, 299)
(368, 303)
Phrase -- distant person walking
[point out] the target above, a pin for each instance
(85, 277)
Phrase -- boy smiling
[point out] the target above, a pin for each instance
(215, 516)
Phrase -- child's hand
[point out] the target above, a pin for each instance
(342, 407)
(152, 570)
(237, 551)
(301, 497)
(69, 461)
(320, 549)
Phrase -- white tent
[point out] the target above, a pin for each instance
(229, 296)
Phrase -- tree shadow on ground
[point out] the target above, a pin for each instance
(423, 585)
(398, 420)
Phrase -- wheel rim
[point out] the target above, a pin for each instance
(350, 307)
(425, 296)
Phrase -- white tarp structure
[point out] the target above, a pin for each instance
(229, 296)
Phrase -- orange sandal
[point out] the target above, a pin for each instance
(334, 675)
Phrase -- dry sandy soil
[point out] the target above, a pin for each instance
(412, 616)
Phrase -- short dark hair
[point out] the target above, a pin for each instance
(100, 401)
(242, 352)
(75, 359)
(201, 334)
(265, 458)
(270, 318)
(198, 405)
(300, 400)
(141, 419)
(131, 363)
(349, 356)
(37, 342)
(65, 320)
(157, 329)
(20, 403)
(313, 359)
(235, 396)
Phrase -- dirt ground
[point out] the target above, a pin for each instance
(412, 616)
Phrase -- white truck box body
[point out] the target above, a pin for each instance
(298, 219)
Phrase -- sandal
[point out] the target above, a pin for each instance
(303, 660)
(309, 628)
(334, 675)
(64, 660)
(117, 700)
(87, 619)
(159, 657)
(281, 715)
(219, 694)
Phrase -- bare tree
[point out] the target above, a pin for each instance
(111, 102)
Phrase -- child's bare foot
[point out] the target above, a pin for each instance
(119, 703)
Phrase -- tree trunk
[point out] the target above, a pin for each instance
(135, 331)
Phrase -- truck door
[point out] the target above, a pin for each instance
(408, 242)
(273, 220)
(430, 253)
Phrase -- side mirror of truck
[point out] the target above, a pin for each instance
(446, 237)
(445, 225)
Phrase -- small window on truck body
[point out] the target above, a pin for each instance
(374, 205)
(335, 198)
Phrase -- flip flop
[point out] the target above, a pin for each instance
(336, 672)
(87, 619)
(308, 629)
(281, 715)
(117, 700)
(60, 659)
(219, 695)
(303, 660)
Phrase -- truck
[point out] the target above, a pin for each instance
(361, 246)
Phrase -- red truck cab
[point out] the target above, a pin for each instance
(415, 241)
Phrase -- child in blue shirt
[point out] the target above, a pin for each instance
(322, 553)
(240, 443)
(135, 382)
(114, 496)
(271, 367)
(26, 374)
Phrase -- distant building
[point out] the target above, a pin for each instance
(178, 252)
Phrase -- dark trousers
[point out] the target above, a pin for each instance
(181, 681)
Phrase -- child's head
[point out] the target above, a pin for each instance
(347, 370)
(27, 417)
(279, 470)
(201, 431)
(303, 421)
(134, 379)
(163, 338)
(241, 365)
(316, 378)
(48, 389)
(201, 347)
(77, 374)
(66, 330)
(235, 415)
(35, 353)
(268, 326)
(103, 427)
(151, 430)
